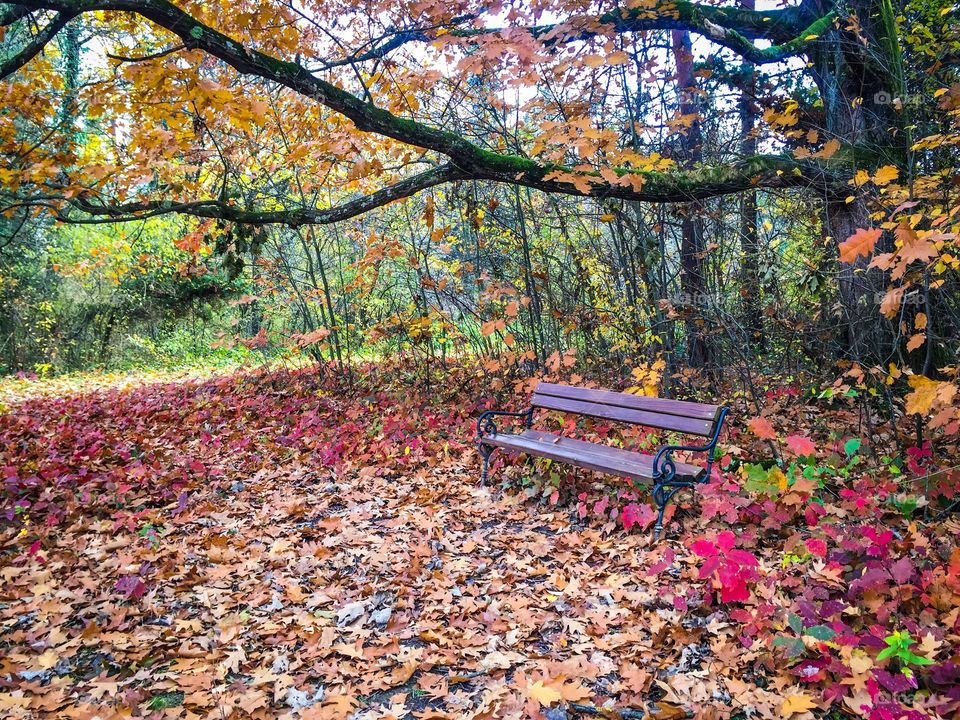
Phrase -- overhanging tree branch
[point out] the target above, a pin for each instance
(467, 160)
(701, 183)
(768, 171)
(225, 210)
(790, 29)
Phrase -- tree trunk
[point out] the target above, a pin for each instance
(863, 336)
(256, 313)
(692, 276)
(857, 85)
(749, 237)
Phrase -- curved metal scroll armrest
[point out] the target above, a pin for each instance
(486, 425)
(664, 469)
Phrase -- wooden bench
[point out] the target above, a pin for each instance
(668, 476)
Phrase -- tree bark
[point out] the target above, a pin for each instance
(751, 290)
(857, 85)
(692, 275)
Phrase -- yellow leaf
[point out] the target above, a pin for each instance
(793, 704)
(886, 175)
(543, 694)
(50, 658)
(776, 476)
(923, 396)
(618, 58)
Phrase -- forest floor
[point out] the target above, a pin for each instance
(265, 544)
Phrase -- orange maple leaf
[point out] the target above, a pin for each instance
(333, 708)
(762, 428)
(860, 243)
(913, 247)
(828, 150)
(916, 341)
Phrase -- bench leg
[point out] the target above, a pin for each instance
(661, 496)
(485, 452)
(658, 527)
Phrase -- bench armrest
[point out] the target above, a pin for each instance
(487, 426)
(663, 465)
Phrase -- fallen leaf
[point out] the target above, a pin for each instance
(762, 428)
(543, 694)
(794, 704)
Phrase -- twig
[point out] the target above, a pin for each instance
(613, 713)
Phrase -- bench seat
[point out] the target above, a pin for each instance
(592, 456)
(668, 476)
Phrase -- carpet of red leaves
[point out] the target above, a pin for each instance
(278, 543)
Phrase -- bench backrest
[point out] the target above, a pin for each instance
(678, 415)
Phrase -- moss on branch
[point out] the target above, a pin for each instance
(466, 160)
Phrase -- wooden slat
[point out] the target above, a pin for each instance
(682, 408)
(593, 456)
(617, 413)
(684, 470)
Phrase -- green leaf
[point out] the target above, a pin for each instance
(886, 652)
(796, 623)
(792, 645)
(900, 639)
(821, 632)
(758, 480)
(909, 657)
(851, 446)
(164, 700)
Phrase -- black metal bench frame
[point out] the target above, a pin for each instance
(663, 472)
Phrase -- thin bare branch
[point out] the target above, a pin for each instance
(36, 44)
